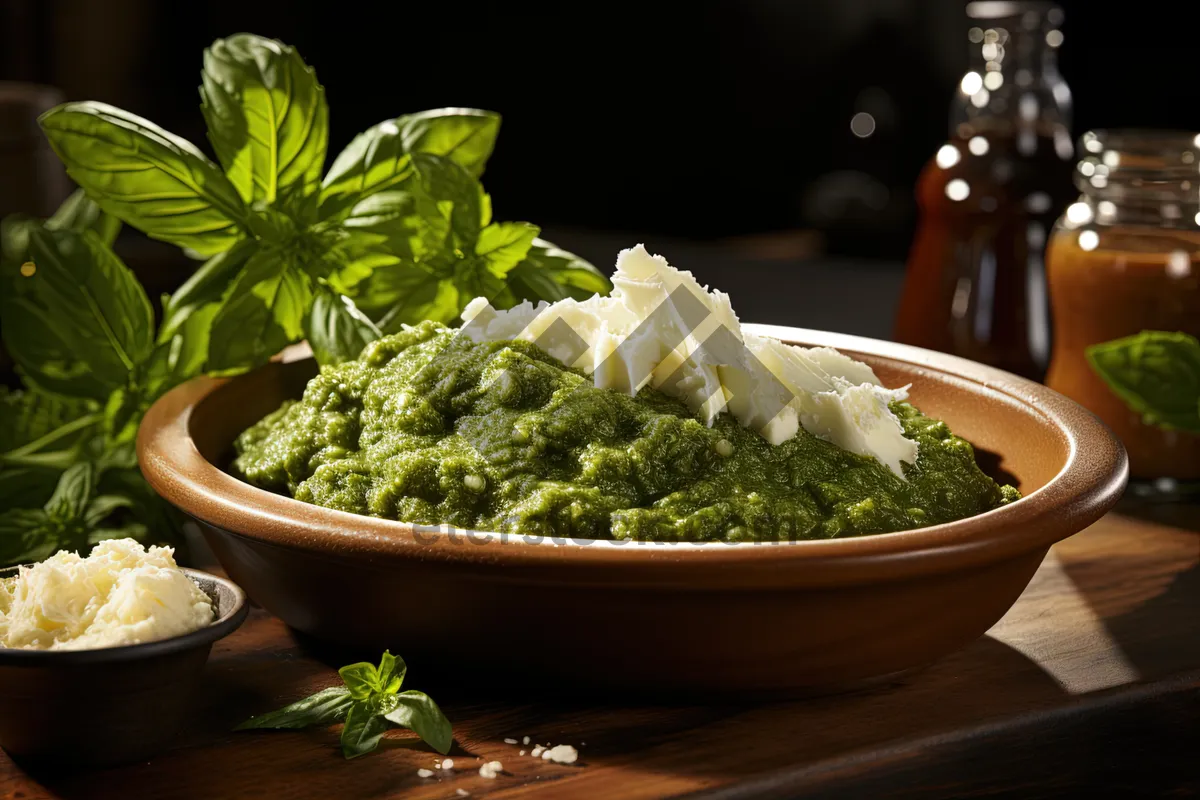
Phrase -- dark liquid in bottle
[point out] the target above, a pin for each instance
(975, 285)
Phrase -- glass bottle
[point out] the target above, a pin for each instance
(975, 282)
(1125, 257)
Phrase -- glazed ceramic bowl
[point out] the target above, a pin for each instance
(87, 708)
(762, 618)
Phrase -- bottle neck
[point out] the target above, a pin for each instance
(1012, 87)
(1139, 178)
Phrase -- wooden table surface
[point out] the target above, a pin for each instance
(1091, 682)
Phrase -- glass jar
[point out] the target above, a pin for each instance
(975, 281)
(1125, 257)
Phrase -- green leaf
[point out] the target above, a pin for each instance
(323, 708)
(375, 161)
(337, 331)
(363, 730)
(267, 116)
(502, 245)
(1156, 373)
(449, 199)
(417, 712)
(26, 486)
(464, 135)
(78, 304)
(73, 493)
(391, 672)
(361, 679)
(182, 357)
(549, 273)
(14, 239)
(263, 312)
(80, 213)
(206, 285)
(406, 294)
(151, 179)
(103, 506)
(33, 420)
(25, 536)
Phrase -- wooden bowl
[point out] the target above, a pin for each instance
(89, 708)
(746, 618)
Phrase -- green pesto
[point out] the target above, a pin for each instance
(499, 436)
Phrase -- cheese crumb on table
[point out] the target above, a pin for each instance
(448, 763)
(491, 769)
(562, 754)
(425, 773)
(525, 740)
(510, 741)
(537, 751)
(121, 594)
(462, 793)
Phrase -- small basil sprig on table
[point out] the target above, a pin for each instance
(370, 702)
(1156, 373)
(400, 225)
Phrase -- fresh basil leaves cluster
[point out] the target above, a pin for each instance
(398, 230)
(369, 703)
(1156, 373)
(81, 331)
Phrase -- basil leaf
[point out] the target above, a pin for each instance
(14, 239)
(48, 363)
(73, 493)
(26, 486)
(464, 135)
(549, 273)
(391, 672)
(80, 213)
(264, 311)
(375, 161)
(183, 356)
(417, 712)
(79, 301)
(267, 116)
(448, 199)
(206, 285)
(102, 507)
(1156, 373)
(132, 530)
(25, 536)
(323, 708)
(361, 679)
(406, 294)
(363, 730)
(337, 331)
(502, 245)
(32, 420)
(147, 177)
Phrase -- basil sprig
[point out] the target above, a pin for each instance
(399, 229)
(369, 703)
(1156, 373)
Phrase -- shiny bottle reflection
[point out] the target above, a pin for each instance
(975, 284)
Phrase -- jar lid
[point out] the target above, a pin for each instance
(1139, 165)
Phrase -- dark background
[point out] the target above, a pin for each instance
(682, 121)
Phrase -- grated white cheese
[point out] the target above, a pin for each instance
(525, 740)
(448, 763)
(510, 741)
(425, 773)
(491, 769)
(537, 751)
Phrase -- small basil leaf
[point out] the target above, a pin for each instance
(323, 708)
(391, 672)
(267, 116)
(1156, 373)
(80, 213)
(183, 356)
(47, 361)
(449, 199)
(361, 679)
(549, 273)
(502, 245)
(405, 294)
(98, 309)
(464, 135)
(263, 312)
(205, 286)
(337, 331)
(147, 177)
(417, 712)
(73, 493)
(375, 161)
(25, 536)
(102, 507)
(30, 416)
(363, 730)
(14, 239)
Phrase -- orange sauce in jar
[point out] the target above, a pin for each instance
(1107, 281)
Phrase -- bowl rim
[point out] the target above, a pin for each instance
(219, 628)
(1082, 491)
